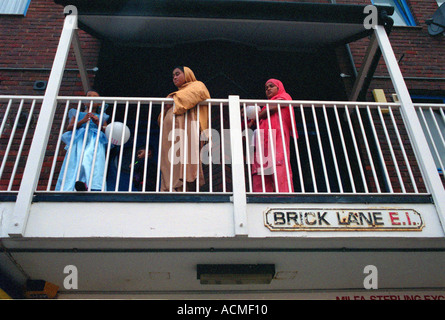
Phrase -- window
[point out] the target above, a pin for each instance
(14, 7)
(402, 15)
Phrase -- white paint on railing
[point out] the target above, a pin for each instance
(382, 151)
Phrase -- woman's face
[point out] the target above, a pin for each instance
(93, 94)
(178, 77)
(271, 90)
(141, 154)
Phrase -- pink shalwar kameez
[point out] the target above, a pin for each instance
(263, 160)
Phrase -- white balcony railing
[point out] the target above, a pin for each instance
(342, 147)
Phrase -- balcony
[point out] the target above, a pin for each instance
(340, 153)
(363, 178)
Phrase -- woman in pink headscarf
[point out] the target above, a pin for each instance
(276, 176)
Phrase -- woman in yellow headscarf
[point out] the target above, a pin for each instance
(181, 128)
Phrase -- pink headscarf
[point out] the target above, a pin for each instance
(282, 94)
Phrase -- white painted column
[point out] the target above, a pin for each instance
(238, 180)
(367, 61)
(415, 131)
(17, 224)
(80, 62)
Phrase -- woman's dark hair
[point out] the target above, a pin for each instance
(92, 90)
(85, 106)
(180, 68)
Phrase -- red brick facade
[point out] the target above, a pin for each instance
(420, 55)
(28, 46)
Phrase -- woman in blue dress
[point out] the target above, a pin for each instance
(79, 164)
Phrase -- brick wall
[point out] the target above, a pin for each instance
(420, 54)
(28, 45)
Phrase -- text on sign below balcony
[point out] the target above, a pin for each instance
(343, 220)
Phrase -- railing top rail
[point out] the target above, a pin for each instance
(112, 99)
(220, 100)
(129, 99)
(322, 102)
(8, 97)
(430, 105)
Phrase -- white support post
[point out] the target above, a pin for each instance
(238, 180)
(415, 131)
(80, 62)
(19, 219)
(364, 69)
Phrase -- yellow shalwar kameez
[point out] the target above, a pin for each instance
(185, 100)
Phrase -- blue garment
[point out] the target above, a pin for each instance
(86, 162)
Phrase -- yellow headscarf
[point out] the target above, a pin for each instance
(189, 95)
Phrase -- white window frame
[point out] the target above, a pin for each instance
(14, 7)
(402, 14)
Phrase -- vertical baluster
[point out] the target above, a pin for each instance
(19, 153)
(345, 150)
(402, 148)
(357, 153)
(147, 148)
(107, 157)
(388, 140)
(222, 147)
(334, 155)
(320, 147)
(365, 139)
(135, 138)
(379, 149)
(116, 188)
(59, 141)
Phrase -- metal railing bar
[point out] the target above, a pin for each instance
(19, 154)
(391, 150)
(286, 160)
(271, 147)
(345, 150)
(223, 147)
(402, 148)
(130, 182)
(430, 136)
(260, 147)
(11, 137)
(334, 155)
(107, 156)
(321, 150)
(147, 147)
(99, 129)
(379, 150)
(59, 141)
(356, 149)
(248, 149)
(308, 149)
(161, 127)
(365, 139)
